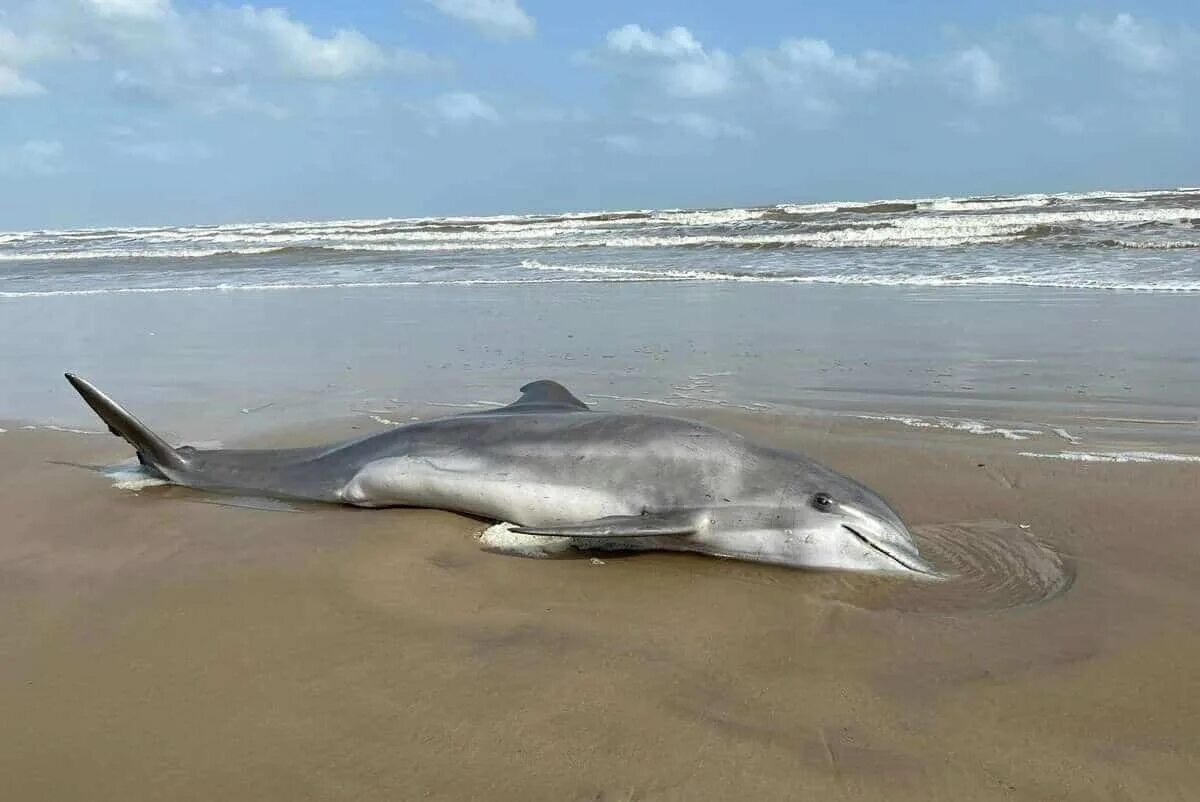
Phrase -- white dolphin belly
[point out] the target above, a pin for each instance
(472, 485)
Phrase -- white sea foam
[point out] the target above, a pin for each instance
(1154, 245)
(1114, 456)
(969, 426)
(293, 286)
(709, 217)
(1064, 434)
(615, 273)
(501, 538)
(467, 405)
(1056, 234)
(601, 275)
(728, 227)
(53, 427)
(113, 253)
(132, 476)
(635, 399)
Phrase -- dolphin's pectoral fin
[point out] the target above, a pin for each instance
(545, 395)
(645, 525)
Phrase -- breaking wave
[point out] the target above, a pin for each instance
(1136, 241)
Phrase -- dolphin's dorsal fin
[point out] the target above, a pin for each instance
(545, 395)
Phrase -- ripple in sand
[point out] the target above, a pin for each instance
(989, 566)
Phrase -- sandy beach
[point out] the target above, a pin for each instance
(168, 644)
(1027, 399)
(946, 253)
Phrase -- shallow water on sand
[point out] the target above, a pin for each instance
(1099, 367)
(985, 566)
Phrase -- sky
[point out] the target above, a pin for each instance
(139, 112)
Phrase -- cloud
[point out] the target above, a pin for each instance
(805, 75)
(622, 143)
(976, 74)
(34, 155)
(208, 58)
(13, 84)
(298, 52)
(131, 9)
(673, 43)
(17, 51)
(808, 76)
(674, 60)
(809, 62)
(499, 19)
(701, 125)
(462, 107)
(1128, 42)
(163, 151)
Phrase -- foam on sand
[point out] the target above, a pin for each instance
(1114, 456)
(133, 476)
(968, 426)
(501, 538)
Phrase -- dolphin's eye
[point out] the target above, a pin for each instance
(823, 502)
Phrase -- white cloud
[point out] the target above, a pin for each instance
(461, 107)
(163, 151)
(803, 74)
(1129, 42)
(25, 49)
(137, 9)
(622, 143)
(808, 62)
(976, 74)
(674, 59)
(808, 76)
(210, 58)
(300, 53)
(673, 43)
(34, 155)
(17, 51)
(501, 19)
(13, 84)
(701, 125)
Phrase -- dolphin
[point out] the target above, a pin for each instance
(556, 468)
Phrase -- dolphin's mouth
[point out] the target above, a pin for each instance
(919, 567)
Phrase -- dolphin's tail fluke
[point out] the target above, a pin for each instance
(152, 449)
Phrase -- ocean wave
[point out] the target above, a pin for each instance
(885, 227)
(1150, 245)
(318, 285)
(68, 256)
(618, 273)
(546, 273)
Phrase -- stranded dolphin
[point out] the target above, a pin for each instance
(555, 468)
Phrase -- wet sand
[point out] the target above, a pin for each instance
(158, 645)
(202, 365)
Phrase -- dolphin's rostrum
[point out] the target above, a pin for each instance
(553, 467)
